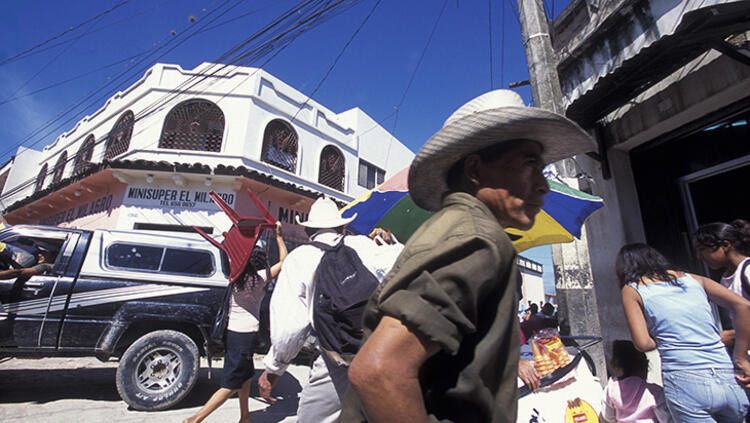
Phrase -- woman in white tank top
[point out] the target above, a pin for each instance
(726, 247)
(241, 334)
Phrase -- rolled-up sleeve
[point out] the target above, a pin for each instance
(437, 292)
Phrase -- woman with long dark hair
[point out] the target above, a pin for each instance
(726, 247)
(668, 310)
(241, 333)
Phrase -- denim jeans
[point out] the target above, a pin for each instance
(704, 395)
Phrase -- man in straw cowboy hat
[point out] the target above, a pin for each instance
(442, 339)
(292, 311)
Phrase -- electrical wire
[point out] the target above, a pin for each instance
(489, 19)
(43, 68)
(502, 44)
(103, 90)
(336, 60)
(85, 97)
(74, 78)
(515, 12)
(71, 29)
(307, 27)
(411, 79)
(102, 28)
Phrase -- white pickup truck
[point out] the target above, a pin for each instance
(147, 298)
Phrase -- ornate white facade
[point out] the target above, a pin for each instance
(149, 156)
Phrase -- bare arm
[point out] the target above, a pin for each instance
(631, 303)
(276, 268)
(10, 273)
(725, 298)
(15, 273)
(385, 373)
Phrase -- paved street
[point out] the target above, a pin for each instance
(83, 390)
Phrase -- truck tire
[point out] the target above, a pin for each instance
(158, 370)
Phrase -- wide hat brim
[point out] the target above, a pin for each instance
(559, 136)
(326, 223)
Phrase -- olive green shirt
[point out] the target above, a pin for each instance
(455, 284)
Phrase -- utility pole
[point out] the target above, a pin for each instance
(574, 282)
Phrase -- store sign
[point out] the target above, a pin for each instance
(168, 197)
(287, 215)
(99, 205)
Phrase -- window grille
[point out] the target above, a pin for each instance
(193, 125)
(369, 175)
(83, 158)
(40, 178)
(332, 168)
(59, 167)
(118, 139)
(280, 145)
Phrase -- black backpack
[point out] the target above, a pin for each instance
(343, 285)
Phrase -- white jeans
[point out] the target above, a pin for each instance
(320, 401)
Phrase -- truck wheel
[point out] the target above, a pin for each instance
(158, 370)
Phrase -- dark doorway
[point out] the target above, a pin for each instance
(721, 197)
(690, 180)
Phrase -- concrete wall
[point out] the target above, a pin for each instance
(704, 85)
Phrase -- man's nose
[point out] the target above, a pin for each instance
(542, 184)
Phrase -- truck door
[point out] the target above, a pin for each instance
(33, 306)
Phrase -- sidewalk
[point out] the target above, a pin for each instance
(83, 390)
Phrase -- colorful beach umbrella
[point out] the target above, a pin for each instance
(390, 206)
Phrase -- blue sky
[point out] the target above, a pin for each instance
(373, 73)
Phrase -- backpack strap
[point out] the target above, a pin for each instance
(745, 284)
(325, 247)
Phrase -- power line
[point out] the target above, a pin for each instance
(413, 75)
(421, 56)
(65, 81)
(91, 93)
(489, 19)
(18, 55)
(502, 44)
(103, 27)
(309, 24)
(338, 57)
(515, 11)
(43, 68)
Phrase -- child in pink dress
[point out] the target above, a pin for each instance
(628, 398)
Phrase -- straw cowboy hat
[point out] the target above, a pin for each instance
(324, 214)
(491, 118)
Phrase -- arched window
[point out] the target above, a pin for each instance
(193, 125)
(40, 178)
(83, 158)
(118, 139)
(332, 168)
(59, 169)
(280, 145)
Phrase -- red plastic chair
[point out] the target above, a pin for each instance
(240, 240)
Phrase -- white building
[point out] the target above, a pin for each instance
(149, 156)
(532, 288)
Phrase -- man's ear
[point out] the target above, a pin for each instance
(472, 166)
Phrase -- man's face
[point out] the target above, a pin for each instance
(513, 186)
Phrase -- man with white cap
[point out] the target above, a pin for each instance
(291, 310)
(442, 339)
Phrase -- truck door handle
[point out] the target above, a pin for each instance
(33, 284)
